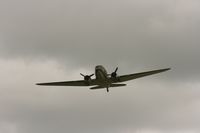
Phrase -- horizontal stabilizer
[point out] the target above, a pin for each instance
(97, 87)
(102, 87)
(117, 85)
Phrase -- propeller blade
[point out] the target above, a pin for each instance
(82, 75)
(91, 75)
(116, 69)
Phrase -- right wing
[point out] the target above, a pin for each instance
(128, 77)
(71, 83)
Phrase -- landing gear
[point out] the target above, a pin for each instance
(107, 89)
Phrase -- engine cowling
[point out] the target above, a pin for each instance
(114, 74)
(87, 77)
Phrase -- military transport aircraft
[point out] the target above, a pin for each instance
(103, 79)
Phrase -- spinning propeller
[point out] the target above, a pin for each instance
(87, 77)
(114, 74)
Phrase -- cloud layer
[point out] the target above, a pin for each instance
(56, 40)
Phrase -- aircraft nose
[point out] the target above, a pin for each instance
(98, 67)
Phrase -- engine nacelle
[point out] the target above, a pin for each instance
(87, 78)
(114, 75)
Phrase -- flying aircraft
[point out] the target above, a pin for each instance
(103, 79)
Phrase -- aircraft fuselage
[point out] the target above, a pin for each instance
(102, 76)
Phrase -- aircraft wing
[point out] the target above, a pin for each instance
(70, 83)
(128, 77)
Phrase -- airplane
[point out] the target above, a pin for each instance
(103, 79)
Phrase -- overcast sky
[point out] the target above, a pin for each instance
(48, 40)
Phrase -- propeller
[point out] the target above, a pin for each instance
(114, 74)
(87, 77)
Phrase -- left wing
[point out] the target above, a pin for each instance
(128, 77)
(71, 83)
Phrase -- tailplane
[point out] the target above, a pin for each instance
(102, 87)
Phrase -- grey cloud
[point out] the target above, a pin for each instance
(144, 104)
(105, 112)
(77, 35)
(139, 34)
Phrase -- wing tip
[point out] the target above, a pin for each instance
(167, 69)
(164, 70)
(39, 84)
